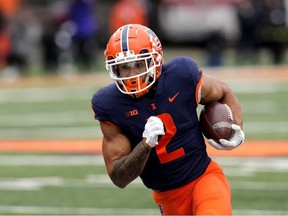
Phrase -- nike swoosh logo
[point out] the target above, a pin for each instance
(171, 99)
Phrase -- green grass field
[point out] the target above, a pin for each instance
(78, 184)
(64, 112)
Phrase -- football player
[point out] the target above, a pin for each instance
(150, 127)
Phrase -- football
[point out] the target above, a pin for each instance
(216, 120)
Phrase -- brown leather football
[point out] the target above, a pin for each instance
(215, 120)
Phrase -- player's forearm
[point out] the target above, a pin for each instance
(232, 101)
(130, 167)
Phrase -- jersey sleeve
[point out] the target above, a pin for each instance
(192, 71)
(98, 105)
(98, 111)
(191, 75)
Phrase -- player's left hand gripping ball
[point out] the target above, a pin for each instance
(236, 140)
(153, 128)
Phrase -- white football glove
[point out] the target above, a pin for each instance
(153, 128)
(237, 139)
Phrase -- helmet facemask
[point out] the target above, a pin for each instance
(134, 74)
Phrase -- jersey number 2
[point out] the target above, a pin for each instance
(161, 148)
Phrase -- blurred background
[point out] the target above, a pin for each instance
(49, 36)
(51, 63)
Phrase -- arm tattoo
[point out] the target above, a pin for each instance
(130, 167)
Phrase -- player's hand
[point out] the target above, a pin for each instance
(236, 140)
(153, 128)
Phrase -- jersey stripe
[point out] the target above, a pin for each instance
(124, 38)
(198, 91)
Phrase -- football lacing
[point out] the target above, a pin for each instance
(230, 114)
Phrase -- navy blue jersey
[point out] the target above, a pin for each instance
(180, 155)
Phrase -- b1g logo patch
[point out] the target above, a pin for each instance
(131, 113)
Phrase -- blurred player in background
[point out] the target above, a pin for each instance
(5, 42)
(127, 11)
(82, 15)
(150, 127)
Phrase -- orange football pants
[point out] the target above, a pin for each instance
(207, 195)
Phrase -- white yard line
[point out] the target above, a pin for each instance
(254, 164)
(45, 94)
(82, 116)
(61, 130)
(258, 87)
(51, 160)
(112, 211)
(258, 163)
(76, 211)
(268, 127)
(241, 212)
(259, 186)
(47, 118)
(39, 183)
(80, 132)
(103, 181)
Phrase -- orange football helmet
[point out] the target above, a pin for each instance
(136, 50)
